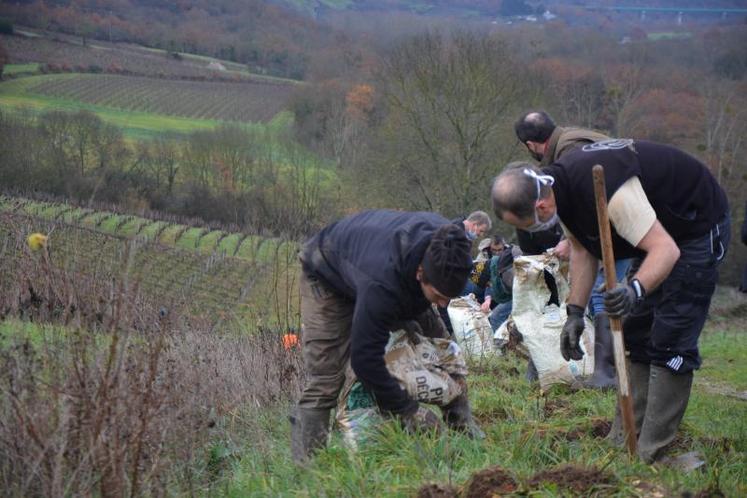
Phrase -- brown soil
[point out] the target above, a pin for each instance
(437, 491)
(598, 430)
(579, 480)
(555, 405)
(490, 482)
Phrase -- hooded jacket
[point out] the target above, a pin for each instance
(371, 258)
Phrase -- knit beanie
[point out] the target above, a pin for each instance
(447, 262)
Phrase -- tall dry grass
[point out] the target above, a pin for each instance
(121, 397)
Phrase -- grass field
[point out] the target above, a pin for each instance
(527, 433)
(240, 102)
(20, 94)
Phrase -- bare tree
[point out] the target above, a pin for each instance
(448, 100)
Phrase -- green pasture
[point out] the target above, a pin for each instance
(21, 69)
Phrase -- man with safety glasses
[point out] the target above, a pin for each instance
(667, 211)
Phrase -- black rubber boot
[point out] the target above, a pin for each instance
(309, 430)
(668, 395)
(638, 374)
(458, 414)
(604, 356)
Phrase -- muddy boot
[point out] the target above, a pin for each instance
(638, 374)
(309, 429)
(604, 357)
(458, 414)
(668, 395)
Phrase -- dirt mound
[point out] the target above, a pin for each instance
(437, 491)
(576, 479)
(489, 482)
(599, 429)
(556, 406)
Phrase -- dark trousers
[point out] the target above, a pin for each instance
(664, 329)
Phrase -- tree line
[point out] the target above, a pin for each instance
(258, 181)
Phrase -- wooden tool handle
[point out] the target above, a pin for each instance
(610, 279)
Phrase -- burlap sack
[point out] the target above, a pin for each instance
(423, 367)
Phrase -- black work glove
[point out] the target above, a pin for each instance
(571, 335)
(621, 300)
(421, 420)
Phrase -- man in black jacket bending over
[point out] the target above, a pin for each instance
(363, 277)
(666, 210)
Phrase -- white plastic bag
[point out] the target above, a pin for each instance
(541, 323)
(471, 327)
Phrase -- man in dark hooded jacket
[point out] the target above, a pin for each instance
(364, 276)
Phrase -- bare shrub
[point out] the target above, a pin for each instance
(120, 396)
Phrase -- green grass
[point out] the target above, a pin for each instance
(21, 69)
(526, 433)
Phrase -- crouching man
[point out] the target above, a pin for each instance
(362, 277)
(666, 210)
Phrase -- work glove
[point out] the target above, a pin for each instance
(421, 420)
(571, 335)
(621, 300)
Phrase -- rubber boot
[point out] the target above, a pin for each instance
(458, 414)
(604, 356)
(668, 395)
(309, 429)
(638, 374)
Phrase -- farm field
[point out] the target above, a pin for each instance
(208, 273)
(33, 46)
(189, 114)
(240, 102)
(196, 239)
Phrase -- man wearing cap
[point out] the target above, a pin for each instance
(364, 276)
(668, 212)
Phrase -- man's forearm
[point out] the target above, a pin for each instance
(661, 255)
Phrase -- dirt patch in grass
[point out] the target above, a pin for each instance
(489, 482)
(437, 491)
(599, 429)
(556, 406)
(579, 480)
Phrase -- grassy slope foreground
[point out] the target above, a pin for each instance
(528, 434)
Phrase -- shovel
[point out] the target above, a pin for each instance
(610, 280)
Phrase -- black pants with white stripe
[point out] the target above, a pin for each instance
(664, 329)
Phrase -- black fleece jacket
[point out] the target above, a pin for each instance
(371, 258)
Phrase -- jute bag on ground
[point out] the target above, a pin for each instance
(423, 367)
(541, 323)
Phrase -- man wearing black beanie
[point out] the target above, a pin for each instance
(364, 276)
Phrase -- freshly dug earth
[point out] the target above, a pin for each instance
(579, 480)
(489, 482)
(437, 491)
(599, 429)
